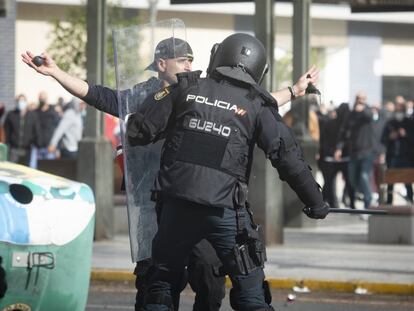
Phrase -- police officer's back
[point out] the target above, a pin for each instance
(211, 126)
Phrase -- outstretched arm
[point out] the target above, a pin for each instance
(100, 97)
(282, 149)
(73, 85)
(311, 76)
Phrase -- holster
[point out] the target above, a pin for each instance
(249, 252)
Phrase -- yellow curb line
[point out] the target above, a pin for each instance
(286, 283)
(111, 275)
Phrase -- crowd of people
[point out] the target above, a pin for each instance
(41, 130)
(355, 140)
(358, 141)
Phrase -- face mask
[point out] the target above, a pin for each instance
(410, 111)
(399, 116)
(375, 116)
(22, 104)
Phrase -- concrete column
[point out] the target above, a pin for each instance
(264, 31)
(7, 52)
(265, 190)
(95, 163)
(301, 30)
(301, 51)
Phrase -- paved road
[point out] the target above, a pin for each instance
(120, 296)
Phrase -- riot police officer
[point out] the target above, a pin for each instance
(211, 126)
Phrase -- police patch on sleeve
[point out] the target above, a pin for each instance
(161, 94)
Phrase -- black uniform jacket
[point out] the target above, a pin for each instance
(106, 99)
(211, 126)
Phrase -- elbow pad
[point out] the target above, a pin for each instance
(306, 188)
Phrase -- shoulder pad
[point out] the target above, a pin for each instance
(185, 79)
(256, 90)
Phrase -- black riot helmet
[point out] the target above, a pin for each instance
(237, 55)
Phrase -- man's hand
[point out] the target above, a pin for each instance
(73, 85)
(317, 212)
(312, 76)
(284, 96)
(338, 154)
(52, 149)
(48, 68)
(402, 132)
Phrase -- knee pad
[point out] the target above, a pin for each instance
(236, 307)
(242, 283)
(159, 299)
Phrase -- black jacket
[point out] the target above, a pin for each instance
(106, 99)
(49, 120)
(358, 133)
(22, 132)
(403, 146)
(210, 127)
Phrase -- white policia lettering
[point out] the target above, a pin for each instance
(217, 103)
(209, 127)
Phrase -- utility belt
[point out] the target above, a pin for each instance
(249, 253)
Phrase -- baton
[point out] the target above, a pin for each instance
(374, 211)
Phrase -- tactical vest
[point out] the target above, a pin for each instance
(210, 139)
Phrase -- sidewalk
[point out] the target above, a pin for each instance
(335, 255)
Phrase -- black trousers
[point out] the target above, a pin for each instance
(329, 172)
(183, 225)
(201, 273)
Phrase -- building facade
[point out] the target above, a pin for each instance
(370, 51)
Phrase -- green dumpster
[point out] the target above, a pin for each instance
(3, 152)
(46, 235)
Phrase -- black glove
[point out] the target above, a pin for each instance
(317, 211)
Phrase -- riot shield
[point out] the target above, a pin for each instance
(139, 52)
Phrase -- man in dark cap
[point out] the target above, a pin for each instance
(171, 56)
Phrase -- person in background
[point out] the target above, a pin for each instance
(49, 119)
(389, 109)
(357, 133)
(59, 106)
(379, 119)
(69, 131)
(22, 129)
(329, 166)
(398, 137)
(410, 109)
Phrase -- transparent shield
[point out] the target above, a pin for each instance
(147, 57)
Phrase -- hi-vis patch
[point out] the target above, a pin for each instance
(161, 94)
